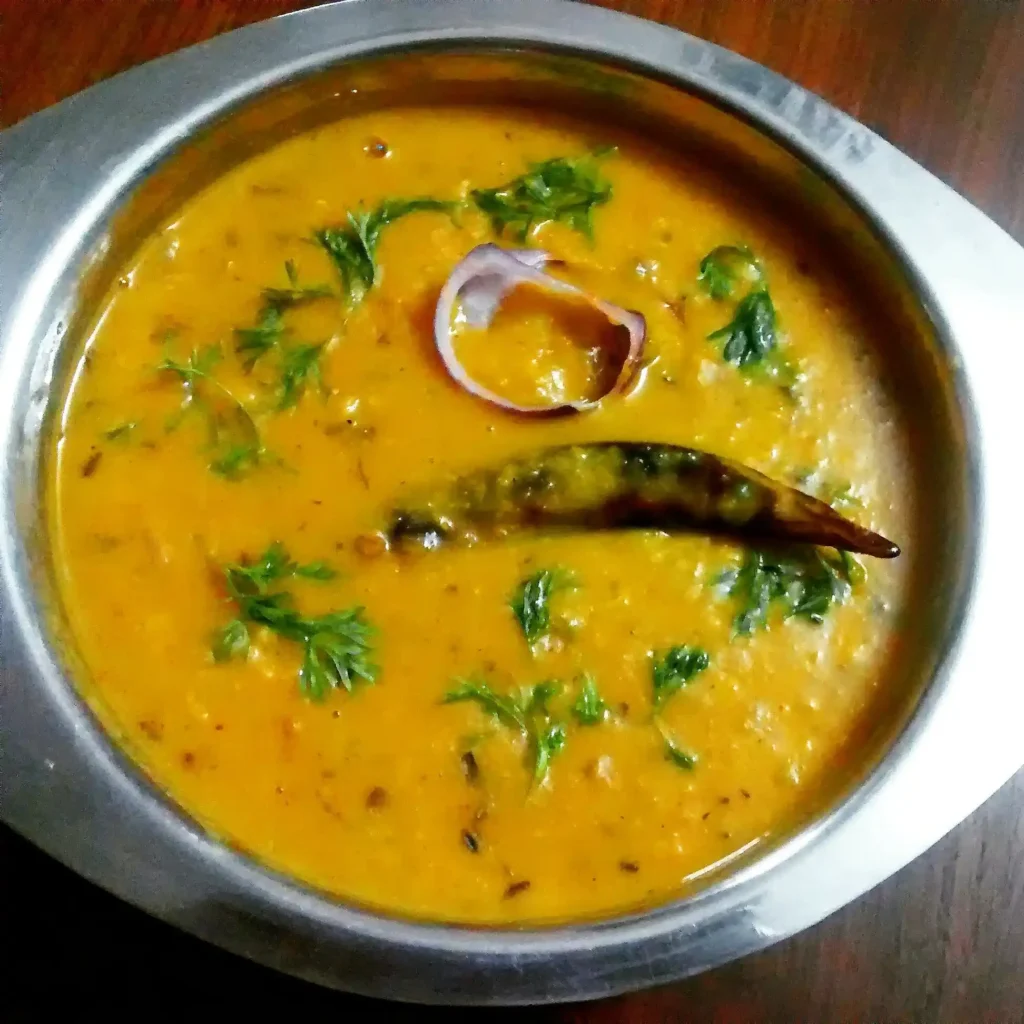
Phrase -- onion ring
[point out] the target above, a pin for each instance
(482, 279)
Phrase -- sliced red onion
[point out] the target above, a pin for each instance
(480, 282)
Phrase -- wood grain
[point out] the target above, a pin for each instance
(941, 941)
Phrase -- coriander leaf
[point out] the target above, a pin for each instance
(842, 495)
(561, 189)
(530, 603)
(198, 365)
(335, 655)
(752, 333)
(300, 366)
(230, 641)
(721, 268)
(506, 708)
(233, 439)
(805, 583)
(253, 342)
(121, 431)
(852, 568)
(751, 340)
(534, 699)
(679, 757)
(547, 742)
(838, 493)
(314, 571)
(525, 711)
(235, 460)
(671, 671)
(274, 564)
(293, 295)
(589, 708)
(352, 247)
(335, 647)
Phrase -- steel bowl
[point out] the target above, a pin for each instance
(84, 182)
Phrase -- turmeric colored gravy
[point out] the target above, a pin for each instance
(388, 795)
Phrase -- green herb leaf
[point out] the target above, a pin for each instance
(751, 335)
(353, 246)
(530, 603)
(198, 365)
(231, 641)
(525, 711)
(336, 646)
(547, 743)
(671, 671)
(335, 654)
(233, 461)
(233, 439)
(274, 564)
(300, 367)
(805, 583)
(253, 342)
(314, 571)
(589, 708)
(721, 269)
(534, 699)
(506, 708)
(293, 295)
(679, 757)
(121, 431)
(562, 189)
(840, 494)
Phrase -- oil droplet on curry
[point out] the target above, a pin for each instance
(535, 727)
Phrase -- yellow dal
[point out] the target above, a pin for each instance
(776, 721)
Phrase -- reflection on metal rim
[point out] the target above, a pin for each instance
(65, 786)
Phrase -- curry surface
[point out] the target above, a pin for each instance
(367, 795)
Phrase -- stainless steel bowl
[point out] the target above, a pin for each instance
(85, 181)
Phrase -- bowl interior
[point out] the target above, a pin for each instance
(912, 356)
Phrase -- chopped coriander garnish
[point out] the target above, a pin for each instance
(525, 711)
(300, 366)
(751, 336)
(275, 564)
(253, 342)
(234, 460)
(293, 295)
(842, 495)
(589, 708)
(561, 189)
(506, 708)
(530, 603)
(353, 246)
(751, 339)
(231, 641)
(839, 494)
(336, 646)
(673, 669)
(121, 431)
(805, 583)
(722, 267)
(197, 367)
(852, 568)
(233, 439)
(679, 757)
(547, 742)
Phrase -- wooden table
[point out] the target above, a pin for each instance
(941, 941)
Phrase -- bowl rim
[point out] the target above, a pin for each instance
(255, 910)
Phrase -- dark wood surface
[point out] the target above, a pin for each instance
(941, 941)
